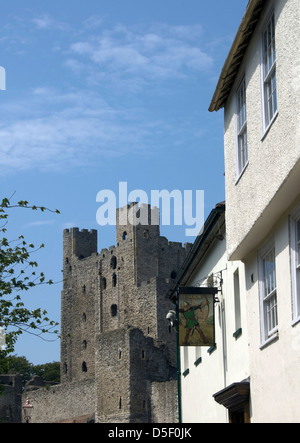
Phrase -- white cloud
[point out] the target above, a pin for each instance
(39, 223)
(71, 129)
(44, 22)
(160, 52)
(93, 22)
(54, 128)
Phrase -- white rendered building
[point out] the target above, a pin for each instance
(215, 379)
(259, 89)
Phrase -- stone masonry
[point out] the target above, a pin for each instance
(114, 333)
(10, 398)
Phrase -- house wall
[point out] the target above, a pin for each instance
(270, 182)
(258, 206)
(228, 363)
(274, 367)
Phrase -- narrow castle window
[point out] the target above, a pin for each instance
(120, 403)
(84, 317)
(114, 280)
(65, 368)
(125, 235)
(84, 344)
(113, 262)
(104, 283)
(84, 367)
(114, 310)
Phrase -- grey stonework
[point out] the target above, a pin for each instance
(10, 398)
(114, 332)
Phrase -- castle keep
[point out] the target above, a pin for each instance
(118, 353)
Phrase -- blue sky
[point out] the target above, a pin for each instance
(103, 92)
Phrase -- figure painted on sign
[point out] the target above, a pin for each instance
(193, 315)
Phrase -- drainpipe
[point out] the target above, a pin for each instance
(178, 364)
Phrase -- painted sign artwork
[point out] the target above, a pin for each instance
(196, 320)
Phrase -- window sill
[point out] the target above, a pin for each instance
(296, 321)
(269, 340)
(267, 129)
(242, 172)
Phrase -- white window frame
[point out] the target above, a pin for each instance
(295, 263)
(237, 300)
(268, 73)
(241, 129)
(268, 294)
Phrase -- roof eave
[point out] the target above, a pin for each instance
(236, 54)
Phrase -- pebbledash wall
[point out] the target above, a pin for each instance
(118, 353)
(272, 153)
(262, 206)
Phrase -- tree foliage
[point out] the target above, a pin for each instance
(18, 274)
(49, 372)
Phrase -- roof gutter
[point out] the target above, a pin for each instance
(236, 54)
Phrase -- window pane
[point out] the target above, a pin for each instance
(268, 294)
(272, 313)
(269, 272)
(242, 105)
(243, 151)
(298, 230)
(269, 46)
(270, 102)
(242, 127)
(273, 39)
(298, 243)
(271, 97)
(274, 93)
(269, 60)
(265, 49)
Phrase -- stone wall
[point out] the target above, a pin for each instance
(128, 363)
(64, 402)
(10, 398)
(164, 402)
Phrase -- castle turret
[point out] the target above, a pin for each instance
(139, 226)
(80, 243)
(78, 304)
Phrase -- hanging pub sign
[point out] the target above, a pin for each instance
(196, 316)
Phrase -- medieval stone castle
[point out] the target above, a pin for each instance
(118, 352)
